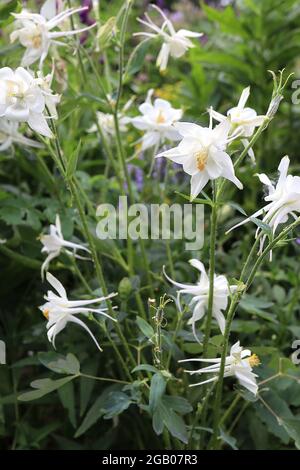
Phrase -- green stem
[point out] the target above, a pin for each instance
(84, 78)
(230, 409)
(178, 324)
(212, 259)
(81, 276)
(170, 259)
(104, 379)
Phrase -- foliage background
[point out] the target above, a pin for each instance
(242, 42)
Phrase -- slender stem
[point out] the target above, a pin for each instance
(230, 409)
(218, 397)
(121, 55)
(238, 416)
(167, 440)
(81, 276)
(249, 258)
(201, 410)
(104, 379)
(212, 259)
(78, 50)
(115, 348)
(170, 259)
(278, 419)
(178, 324)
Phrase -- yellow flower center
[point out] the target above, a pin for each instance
(46, 313)
(36, 41)
(12, 88)
(201, 157)
(160, 118)
(253, 360)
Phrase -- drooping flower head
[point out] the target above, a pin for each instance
(157, 121)
(200, 293)
(283, 200)
(59, 310)
(22, 99)
(175, 43)
(35, 31)
(238, 364)
(243, 120)
(202, 153)
(54, 242)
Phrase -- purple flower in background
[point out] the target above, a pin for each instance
(160, 3)
(137, 174)
(177, 16)
(159, 169)
(85, 15)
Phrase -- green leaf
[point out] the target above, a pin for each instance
(115, 404)
(157, 422)
(178, 404)
(72, 162)
(226, 19)
(92, 416)
(95, 412)
(146, 367)
(145, 328)
(280, 408)
(7, 9)
(157, 389)
(266, 229)
(292, 427)
(174, 423)
(137, 58)
(229, 440)
(12, 215)
(60, 364)
(196, 200)
(224, 60)
(44, 386)
(87, 385)
(257, 307)
(237, 207)
(67, 397)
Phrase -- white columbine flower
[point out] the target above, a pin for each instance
(51, 100)
(59, 310)
(55, 242)
(35, 31)
(9, 135)
(157, 121)
(202, 153)
(107, 124)
(175, 43)
(238, 364)
(283, 200)
(200, 291)
(22, 99)
(243, 120)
